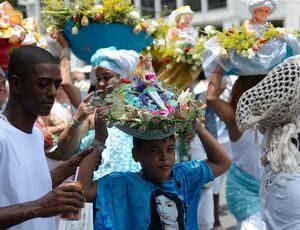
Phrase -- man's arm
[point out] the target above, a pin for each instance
(67, 168)
(217, 158)
(59, 200)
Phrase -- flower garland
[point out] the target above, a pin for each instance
(55, 13)
(244, 43)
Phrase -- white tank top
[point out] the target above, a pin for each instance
(246, 153)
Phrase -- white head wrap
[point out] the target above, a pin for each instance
(253, 4)
(122, 62)
(274, 105)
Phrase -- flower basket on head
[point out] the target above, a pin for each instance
(96, 36)
(15, 32)
(241, 53)
(89, 27)
(179, 55)
(147, 109)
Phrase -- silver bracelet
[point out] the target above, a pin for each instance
(75, 124)
(98, 146)
(66, 52)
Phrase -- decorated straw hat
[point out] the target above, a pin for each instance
(274, 106)
(147, 109)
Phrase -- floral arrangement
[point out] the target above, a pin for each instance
(16, 31)
(56, 12)
(173, 52)
(244, 43)
(129, 113)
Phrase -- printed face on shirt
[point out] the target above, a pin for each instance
(261, 13)
(157, 158)
(37, 92)
(167, 209)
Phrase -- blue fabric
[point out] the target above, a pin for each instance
(98, 59)
(117, 152)
(242, 193)
(123, 199)
(100, 35)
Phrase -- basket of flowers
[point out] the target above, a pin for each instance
(88, 26)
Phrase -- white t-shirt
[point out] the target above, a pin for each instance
(246, 153)
(24, 173)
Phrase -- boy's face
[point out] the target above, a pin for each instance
(157, 158)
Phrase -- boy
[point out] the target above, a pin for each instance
(133, 200)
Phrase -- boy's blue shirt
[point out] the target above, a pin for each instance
(123, 198)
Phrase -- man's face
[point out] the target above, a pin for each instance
(157, 158)
(3, 90)
(37, 92)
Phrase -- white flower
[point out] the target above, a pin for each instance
(223, 52)
(169, 66)
(184, 97)
(281, 31)
(251, 53)
(179, 51)
(209, 29)
(151, 29)
(195, 68)
(51, 30)
(178, 59)
(84, 21)
(161, 42)
(198, 63)
(74, 30)
(196, 57)
(134, 15)
(99, 6)
(201, 40)
(137, 29)
(244, 53)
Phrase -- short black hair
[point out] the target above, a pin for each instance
(137, 142)
(23, 60)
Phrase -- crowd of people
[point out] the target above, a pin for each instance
(129, 174)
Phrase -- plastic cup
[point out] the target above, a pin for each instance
(72, 215)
